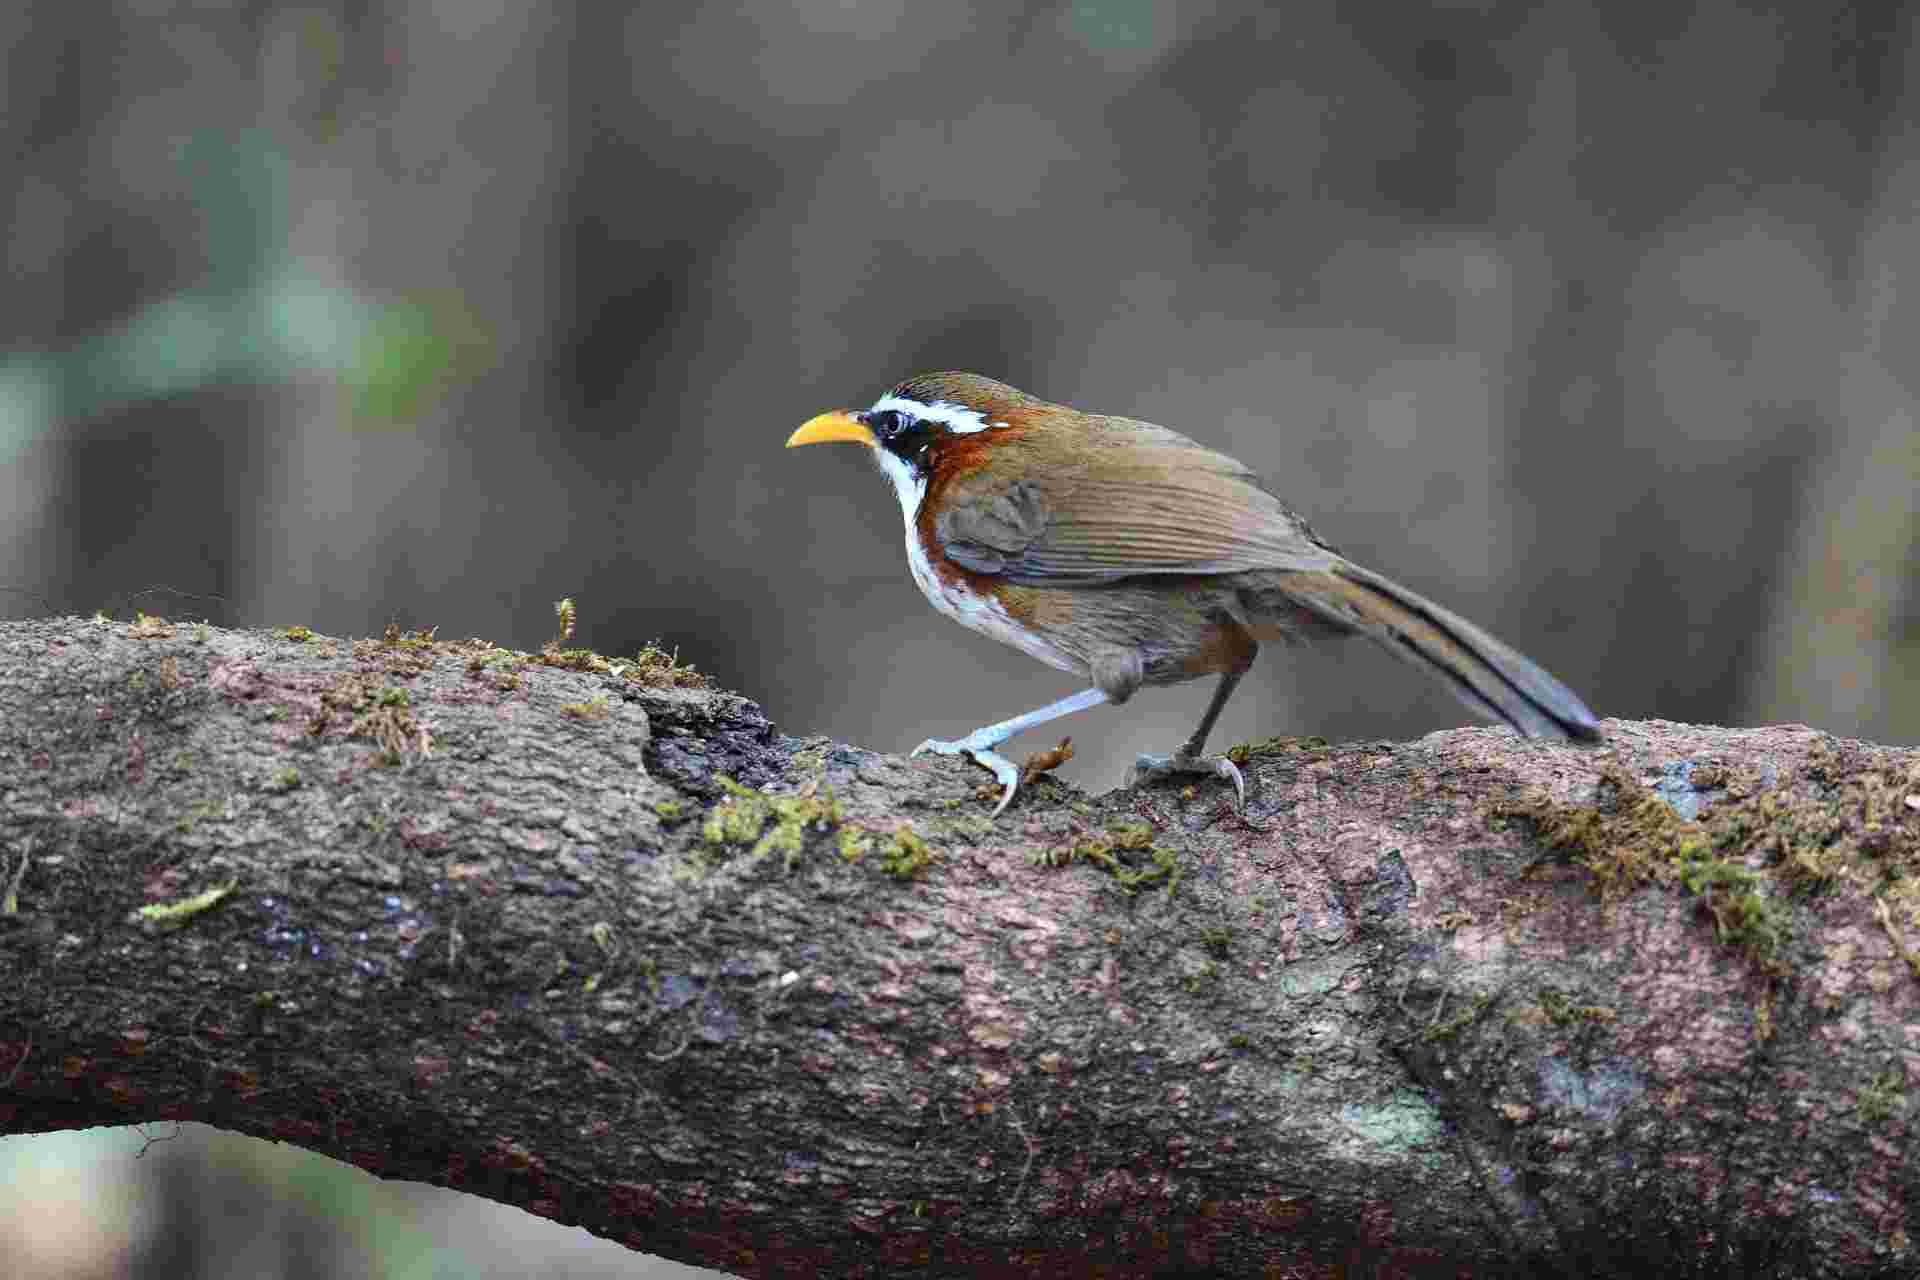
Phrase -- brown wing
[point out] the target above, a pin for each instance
(1153, 502)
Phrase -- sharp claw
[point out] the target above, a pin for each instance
(1004, 769)
(1013, 785)
(1231, 772)
(1148, 767)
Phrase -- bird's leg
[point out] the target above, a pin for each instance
(1188, 760)
(981, 742)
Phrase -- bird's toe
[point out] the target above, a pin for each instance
(1003, 769)
(1152, 768)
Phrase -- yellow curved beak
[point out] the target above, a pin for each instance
(838, 425)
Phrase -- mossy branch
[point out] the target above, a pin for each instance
(586, 936)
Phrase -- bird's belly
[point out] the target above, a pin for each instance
(1179, 629)
(980, 611)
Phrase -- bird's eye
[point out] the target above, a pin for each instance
(887, 424)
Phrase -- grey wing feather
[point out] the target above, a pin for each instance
(983, 534)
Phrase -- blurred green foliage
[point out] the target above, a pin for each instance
(256, 314)
(409, 352)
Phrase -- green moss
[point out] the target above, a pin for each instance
(1059, 855)
(1281, 746)
(1636, 838)
(297, 634)
(572, 660)
(738, 817)
(1163, 867)
(1126, 852)
(10, 897)
(784, 838)
(172, 915)
(770, 824)
(1625, 846)
(285, 779)
(657, 668)
(1447, 1028)
(1217, 939)
(498, 667)
(384, 717)
(403, 653)
(1563, 1012)
(968, 827)
(905, 855)
(1882, 1096)
(854, 844)
(652, 666)
(670, 810)
(1744, 914)
(1842, 827)
(198, 813)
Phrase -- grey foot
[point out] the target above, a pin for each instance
(983, 753)
(1148, 768)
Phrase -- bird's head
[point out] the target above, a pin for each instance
(924, 424)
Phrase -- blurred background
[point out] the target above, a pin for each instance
(1598, 323)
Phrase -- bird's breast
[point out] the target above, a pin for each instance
(979, 602)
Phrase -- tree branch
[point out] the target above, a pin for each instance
(584, 940)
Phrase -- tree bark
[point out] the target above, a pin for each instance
(617, 952)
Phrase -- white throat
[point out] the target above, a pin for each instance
(907, 486)
(979, 612)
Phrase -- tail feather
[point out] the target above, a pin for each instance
(1488, 676)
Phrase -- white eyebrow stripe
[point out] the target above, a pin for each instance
(954, 417)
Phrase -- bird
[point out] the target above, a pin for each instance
(1131, 555)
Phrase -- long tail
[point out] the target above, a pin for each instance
(1488, 676)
